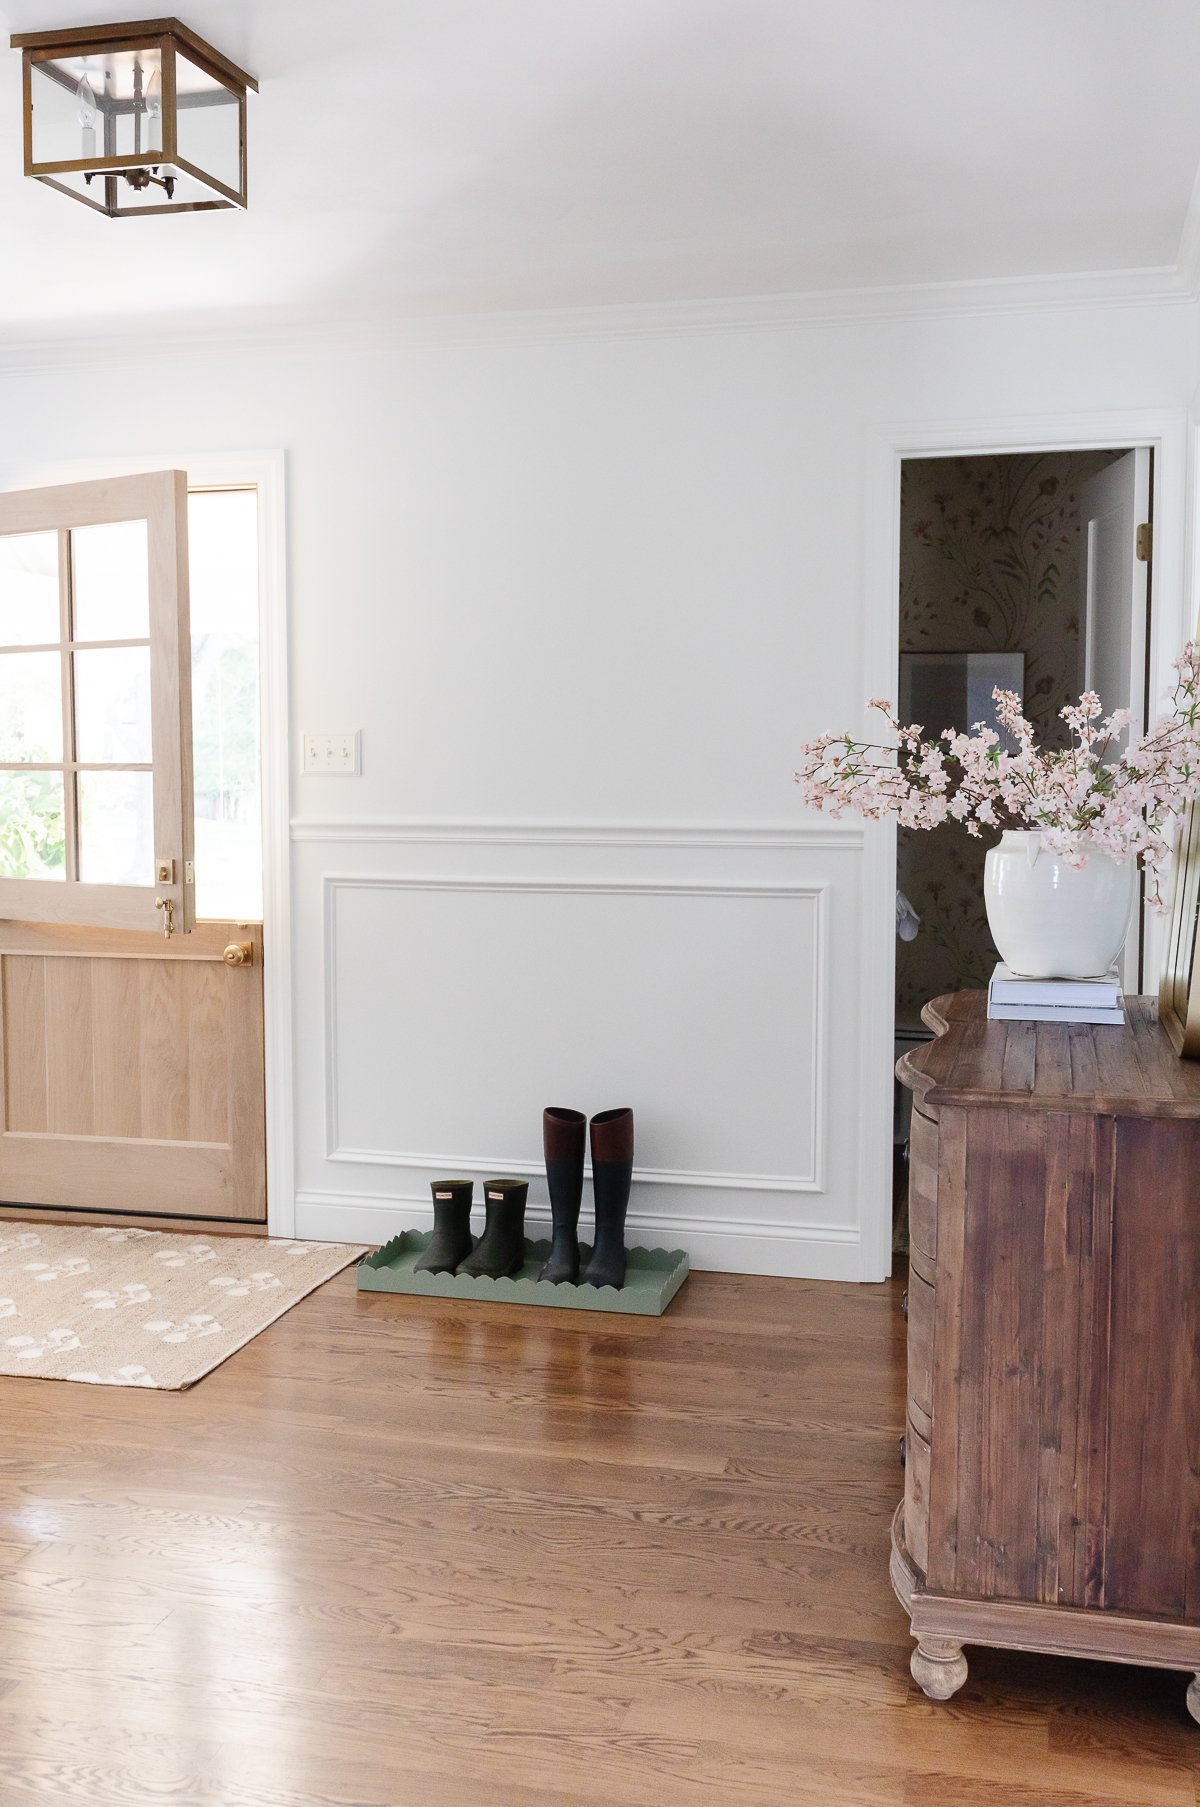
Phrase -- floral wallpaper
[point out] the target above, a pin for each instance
(990, 561)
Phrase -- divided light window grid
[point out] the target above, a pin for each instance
(76, 771)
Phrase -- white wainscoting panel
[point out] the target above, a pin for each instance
(458, 1006)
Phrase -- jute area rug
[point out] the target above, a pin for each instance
(143, 1308)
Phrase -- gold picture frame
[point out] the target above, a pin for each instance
(1179, 992)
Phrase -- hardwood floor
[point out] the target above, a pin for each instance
(396, 1553)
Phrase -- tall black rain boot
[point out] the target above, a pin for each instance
(564, 1133)
(500, 1251)
(451, 1239)
(612, 1174)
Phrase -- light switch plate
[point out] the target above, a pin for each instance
(339, 753)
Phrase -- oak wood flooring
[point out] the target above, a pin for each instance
(398, 1553)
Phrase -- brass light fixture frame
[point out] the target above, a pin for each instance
(164, 35)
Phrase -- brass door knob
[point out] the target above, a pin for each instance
(239, 953)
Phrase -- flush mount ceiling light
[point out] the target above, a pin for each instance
(138, 118)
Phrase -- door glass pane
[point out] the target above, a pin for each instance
(32, 833)
(116, 828)
(223, 561)
(29, 589)
(112, 705)
(31, 708)
(112, 581)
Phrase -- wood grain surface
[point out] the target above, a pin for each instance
(1049, 1066)
(131, 1072)
(396, 1553)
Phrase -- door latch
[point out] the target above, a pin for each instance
(167, 906)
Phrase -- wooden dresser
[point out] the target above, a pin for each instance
(1052, 1450)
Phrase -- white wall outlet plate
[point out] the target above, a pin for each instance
(339, 753)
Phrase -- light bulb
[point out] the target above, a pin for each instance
(154, 112)
(85, 94)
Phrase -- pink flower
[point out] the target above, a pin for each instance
(1126, 807)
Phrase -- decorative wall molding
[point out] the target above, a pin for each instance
(650, 1176)
(637, 1221)
(422, 832)
(291, 333)
(815, 893)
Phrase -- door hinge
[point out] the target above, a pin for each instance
(1144, 543)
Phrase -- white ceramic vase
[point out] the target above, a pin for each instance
(1054, 921)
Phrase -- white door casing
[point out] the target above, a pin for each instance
(1112, 506)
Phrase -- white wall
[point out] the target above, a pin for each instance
(585, 594)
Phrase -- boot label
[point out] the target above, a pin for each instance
(498, 1196)
(440, 1195)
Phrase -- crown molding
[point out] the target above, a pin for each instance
(235, 334)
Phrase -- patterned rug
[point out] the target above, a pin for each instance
(142, 1308)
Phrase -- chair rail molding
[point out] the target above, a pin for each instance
(429, 831)
(812, 1111)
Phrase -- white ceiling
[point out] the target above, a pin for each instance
(475, 155)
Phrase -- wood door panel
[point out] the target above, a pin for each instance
(130, 1048)
(68, 1042)
(116, 1002)
(132, 1072)
(24, 1078)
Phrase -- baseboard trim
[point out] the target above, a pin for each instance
(721, 1245)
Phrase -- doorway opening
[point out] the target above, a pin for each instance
(1024, 570)
(223, 563)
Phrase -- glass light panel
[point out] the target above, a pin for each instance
(32, 825)
(75, 98)
(116, 828)
(59, 134)
(31, 708)
(29, 589)
(137, 87)
(208, 123)
(112, 581)
(112, 705)
(223, 580)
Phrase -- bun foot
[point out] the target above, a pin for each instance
(939, 1668)
(1193, 1697)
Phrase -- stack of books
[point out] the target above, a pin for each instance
(1013, 999)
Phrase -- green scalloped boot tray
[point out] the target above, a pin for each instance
(652, 1278)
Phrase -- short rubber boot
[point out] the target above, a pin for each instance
(612, 1174)
(500, 1251)
(451, 1239)
(564, 1135)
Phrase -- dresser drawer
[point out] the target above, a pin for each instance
(916, 1496)
(920, 1346)
(922, 1185)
